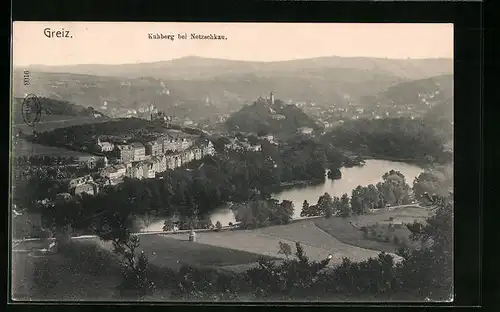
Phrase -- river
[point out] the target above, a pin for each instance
(370, 173)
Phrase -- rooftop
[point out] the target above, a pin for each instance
(137, 145)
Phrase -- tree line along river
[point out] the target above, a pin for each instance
(370, 173)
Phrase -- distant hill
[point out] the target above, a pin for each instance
(197, 87)
(420, 94)
(263, 116)
(193, 67)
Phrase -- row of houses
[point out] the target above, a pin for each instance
(160, 163)
(155, 147)
(146, 168)
(138, 152)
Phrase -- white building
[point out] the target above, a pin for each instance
(114, 174)
(105, 146)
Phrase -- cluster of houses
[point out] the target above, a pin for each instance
(237, 145)
(143, 161)
(244, 144)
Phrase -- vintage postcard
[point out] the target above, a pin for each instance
(231, 162)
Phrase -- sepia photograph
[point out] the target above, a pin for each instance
(231, 162)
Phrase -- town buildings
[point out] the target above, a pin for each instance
(114, 174)
(125, 153)
(138, 161)
(154, 148)
(148, 169)
(236, 145)
(139, 151)
(93, 161)
(176, 144)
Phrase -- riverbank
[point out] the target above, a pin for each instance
(296, 184)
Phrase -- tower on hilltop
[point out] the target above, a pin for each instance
(271, 98)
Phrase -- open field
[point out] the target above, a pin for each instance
(342, 230)
(26, 148)
(175, 250)
(348, 230)
(406, 214)
(317, 243)
(51, 122)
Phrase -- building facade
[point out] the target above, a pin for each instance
(139, 151)
(114, 174)
(105, 146)
(154, 148)
(176, 144)
(160, 163)
(125, 153)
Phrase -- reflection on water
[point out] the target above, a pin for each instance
(370, 173)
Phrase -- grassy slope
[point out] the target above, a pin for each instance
(172, 253)
(317, 244)
(348, 233)
(26, 148)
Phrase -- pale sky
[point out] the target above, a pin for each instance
(119, 43)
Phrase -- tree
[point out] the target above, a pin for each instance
(395, 187)
(206, 224)
(357, 200)
(325, 205)
(285, 212)
(436, 181)
(305, 209)
(218, 225)
(285, 249)
(428, 270)
(168, 225)
(135, 282)
(387, 191)
(345, 207)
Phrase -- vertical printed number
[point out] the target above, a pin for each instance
(26, 78)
